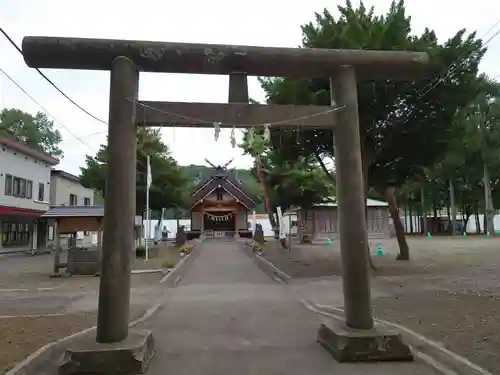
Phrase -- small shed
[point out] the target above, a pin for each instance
(70, 220)
(321, 221)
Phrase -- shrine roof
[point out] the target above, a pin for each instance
(227, 180)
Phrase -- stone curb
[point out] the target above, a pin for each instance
(175, 275)
(39, 361)
(266, 266)
(152, 270)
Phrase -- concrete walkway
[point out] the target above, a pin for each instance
(227, 317)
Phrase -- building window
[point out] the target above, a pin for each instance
(22, 189)
(29, 189)
(73, 200)
(15, 234)
(8, 184)
(41, 191)
(18, 187)
(86, 201)
(219, 194)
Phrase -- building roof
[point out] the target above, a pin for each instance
(73, 211)
(227, 181)
(27, 150)
(66, 175)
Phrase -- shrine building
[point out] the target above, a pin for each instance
(221, 205)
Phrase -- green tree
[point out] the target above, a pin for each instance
(296, 183)
(404, 126)
(467, 178)
(36, 131)
(473, 162)
(168, 182)
(286, 183)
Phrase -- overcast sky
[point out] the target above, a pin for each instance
(259, 22)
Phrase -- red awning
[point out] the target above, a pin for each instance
(19, 211)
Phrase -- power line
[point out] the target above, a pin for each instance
(11, 41)
(43, 108)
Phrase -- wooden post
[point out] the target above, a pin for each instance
(425, 227)
(57, 251)
(99, 246)
(453, 207)
(351, 203)
(118, 238)
(235, 213)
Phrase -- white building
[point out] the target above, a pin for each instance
(66, 190)
(25, 175)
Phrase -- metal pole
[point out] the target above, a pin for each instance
(148, 215)
(118, 233)
(351, 202)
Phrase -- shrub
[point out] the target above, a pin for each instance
(185, 250)
(258, 250)
(168, 264)
(140, 252)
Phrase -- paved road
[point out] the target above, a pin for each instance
(226, 316)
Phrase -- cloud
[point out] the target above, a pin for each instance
(263, 22)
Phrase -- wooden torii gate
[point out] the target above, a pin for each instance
(357, 339)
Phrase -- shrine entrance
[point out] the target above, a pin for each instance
(219, 221)
(342, 68)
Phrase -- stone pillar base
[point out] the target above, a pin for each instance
(350, 345)
(129, 357)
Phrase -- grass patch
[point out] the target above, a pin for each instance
(163, 255)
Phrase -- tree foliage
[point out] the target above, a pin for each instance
(299, 182)
(396, 119)
(168, 189)
(405, 127)
(474, 146)
(38, 132)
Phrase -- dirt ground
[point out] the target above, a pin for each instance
(449, 291)
(21, 336)
(25, 280)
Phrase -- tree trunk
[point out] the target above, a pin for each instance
(424, 212)
(453, 208)
(410, 212)
(364, 166)
(365, 182)
(448, 215)
(478, 223)
(405, 219)
(267, 198)
(489, 209)
(466, 221)
(404, 250)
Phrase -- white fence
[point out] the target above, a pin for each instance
(471, 224)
